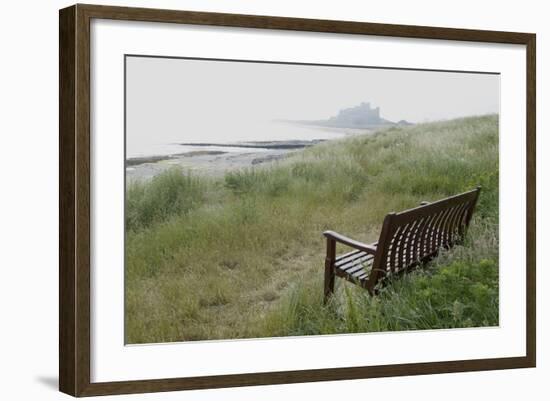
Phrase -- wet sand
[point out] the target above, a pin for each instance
(215, 163)
(209, 163)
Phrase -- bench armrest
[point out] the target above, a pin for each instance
(350, 242)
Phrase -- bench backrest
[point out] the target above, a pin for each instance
(414, 236)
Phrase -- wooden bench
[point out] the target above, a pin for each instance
(407, 239)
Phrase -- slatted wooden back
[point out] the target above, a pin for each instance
(416, 235)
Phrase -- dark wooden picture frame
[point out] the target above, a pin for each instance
(74, 199)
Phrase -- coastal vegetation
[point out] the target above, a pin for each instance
(242, 255)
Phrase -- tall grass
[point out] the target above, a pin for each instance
(242, 256)
(168, 194)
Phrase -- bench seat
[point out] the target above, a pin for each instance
(354, 266)
(407, 240)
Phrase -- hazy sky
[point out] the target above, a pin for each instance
(179, 100)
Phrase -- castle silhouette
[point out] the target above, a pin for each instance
(358, 116)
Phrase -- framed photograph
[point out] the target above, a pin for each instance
(250, 200)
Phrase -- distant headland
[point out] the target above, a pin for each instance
(361, 116)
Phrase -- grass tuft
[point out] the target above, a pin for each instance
(168, 194)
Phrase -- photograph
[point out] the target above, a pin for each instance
(268, 199)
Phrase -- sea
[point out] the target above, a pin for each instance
(156, 144)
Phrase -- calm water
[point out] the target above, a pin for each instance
(168, 143)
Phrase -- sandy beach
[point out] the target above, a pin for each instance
(215, 159)
(211, 162)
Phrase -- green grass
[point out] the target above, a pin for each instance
(242, 256)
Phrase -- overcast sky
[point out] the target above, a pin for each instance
(178, 99)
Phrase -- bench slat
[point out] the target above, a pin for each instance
(345, 255)
(353, 263)
(355, 269)
(346, 258)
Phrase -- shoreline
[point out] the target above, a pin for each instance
(215, 163)
(290, 144)
(135, 161)
(206, 163)
(265, 145)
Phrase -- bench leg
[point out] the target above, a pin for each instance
(329, 269)
(329, 280)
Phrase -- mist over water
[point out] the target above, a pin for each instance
(168, 143)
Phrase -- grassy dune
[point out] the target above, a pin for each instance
(242, 256)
